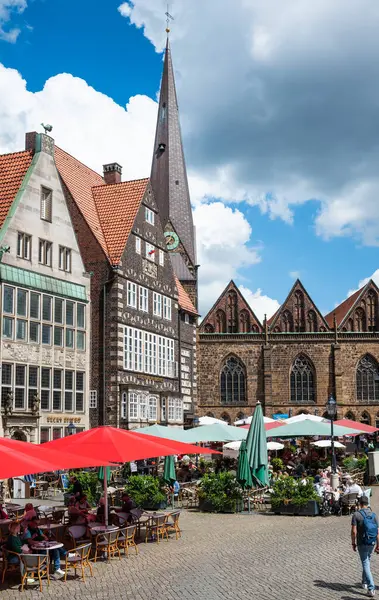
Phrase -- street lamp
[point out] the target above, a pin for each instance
(71, 428)
(331, 406)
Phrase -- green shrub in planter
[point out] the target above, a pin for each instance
(288, 490)
(91, 485)
(146, 491)
(277, 464)
(220, 492)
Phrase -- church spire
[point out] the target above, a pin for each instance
(169, 177)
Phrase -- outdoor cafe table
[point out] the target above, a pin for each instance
(102, 529)
(46, 545)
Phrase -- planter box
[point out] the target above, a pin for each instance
(307, 510)
(235, 506)
(157, 506)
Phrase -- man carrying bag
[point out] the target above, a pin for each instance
(365, 537)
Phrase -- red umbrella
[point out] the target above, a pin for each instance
(356, 425)
(268, 426)
(22, 458)
(120, 445)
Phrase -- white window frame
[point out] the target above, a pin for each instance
(157, 304)
(65, 259)
(149, 216)
(45, 388)
(150, 251)
(133, 406)
(45, 252)
(143, 299)
(153, 408)
(93, 399)
(175, 410)
(46, 212)
(24, 245)
(20, 387)
(167, 308)
(161, 258)
(58, 389)
(131, 294)
(138, 245)
(147, 352)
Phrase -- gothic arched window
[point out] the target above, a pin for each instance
(349, 415)
(299, 311)
(255, 329)
(244, 321)
(220, 321)
(233, 382)
(209, 328)
(365, 418)
(372, 308)
(312, 321)
(225, 417)
(368, 379)
(360, 320)
(350, 325)
(303, 380)
(287, 321)
(232, 312)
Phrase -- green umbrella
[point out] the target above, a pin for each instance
(219, 432)
(244, 477)
(308, 428)
(100, 474)
(169, 475)
(256, 446)
(169, 433)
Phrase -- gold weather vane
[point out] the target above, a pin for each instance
(168, 19)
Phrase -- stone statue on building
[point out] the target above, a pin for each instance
(8, 404)
(36, 404)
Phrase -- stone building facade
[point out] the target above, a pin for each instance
(45, 308)
(294, 361)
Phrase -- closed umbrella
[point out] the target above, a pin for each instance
(169, 475)
(256, 444)
(100, 474)
(244, 477)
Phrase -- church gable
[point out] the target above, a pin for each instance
(231, 314)
(362, 313)
(298, 313)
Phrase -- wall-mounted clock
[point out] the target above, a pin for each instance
(172, 240)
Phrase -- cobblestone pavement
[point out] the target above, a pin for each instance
(237, 557)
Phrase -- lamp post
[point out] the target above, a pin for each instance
(331, 406)
(71, 428)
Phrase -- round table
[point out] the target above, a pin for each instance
(48, 526)
(102, 529)
(46, 545)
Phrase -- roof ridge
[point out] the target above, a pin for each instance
(120, 182)
(79, 161)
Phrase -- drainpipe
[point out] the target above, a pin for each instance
(111, 280)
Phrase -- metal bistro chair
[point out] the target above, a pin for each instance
(9, 567)
(172, 524)
(349, 502)
(80, 561)
(126, 539)
(78, 533)
(107, 543)
(155, 527)
(36, 566)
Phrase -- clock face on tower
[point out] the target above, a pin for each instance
(172, 240)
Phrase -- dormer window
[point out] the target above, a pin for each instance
(46, 204)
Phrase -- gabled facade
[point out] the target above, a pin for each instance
(45, 309)
(144, 323)
(170, 185)
(231, 314)
(295, 362)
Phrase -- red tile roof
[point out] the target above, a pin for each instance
(184, 299)
(109, 210)
(342, 309)
(13, 168)
(117, 206)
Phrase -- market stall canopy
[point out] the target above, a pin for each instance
(308, 428)
(361, 427)
(210, 421)
(215, 433)
(120, 445)
(327, 444)
(22, 458)
(167, 433)
(247, 421)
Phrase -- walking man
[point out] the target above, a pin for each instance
(365, 537)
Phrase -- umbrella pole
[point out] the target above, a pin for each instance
(106, 496)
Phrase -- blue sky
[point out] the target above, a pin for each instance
(332, 245)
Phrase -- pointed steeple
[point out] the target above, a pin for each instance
(168, 172)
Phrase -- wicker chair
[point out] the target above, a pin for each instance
(155, 527)
(35, 566)
(9, 567)
(78, 533)
(349, 502)
(80, 561)
(107, 543)
(172, 524)
(126, 539)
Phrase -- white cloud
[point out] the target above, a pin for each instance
(262, 305)
(276, 119)
(125, 9)
(374, 277)
(7, 9)
(294, 274)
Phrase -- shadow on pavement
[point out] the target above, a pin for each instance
(342, 587)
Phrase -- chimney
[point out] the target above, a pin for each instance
(112, 173)
(30, 141)
(39, 142)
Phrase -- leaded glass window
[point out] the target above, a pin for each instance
(368, 380)
(233, 382)
(302, 380)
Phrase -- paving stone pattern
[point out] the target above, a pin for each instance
(236, 557)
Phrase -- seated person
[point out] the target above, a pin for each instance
(84, 507)
(14, 544)
(29, 513)
(352, 488)
(319, 486)
(127, 503)
(34, 534)
(100, 513)
(75, 515)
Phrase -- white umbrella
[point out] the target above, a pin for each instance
(209, 420)
(305, 417)
(327, 444)
(248, 420)
(231, 449)
(274, 446)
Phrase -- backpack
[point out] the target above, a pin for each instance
(369, 528)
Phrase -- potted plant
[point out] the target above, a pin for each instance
(147, 492)
(220, 492)
(290, 497)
